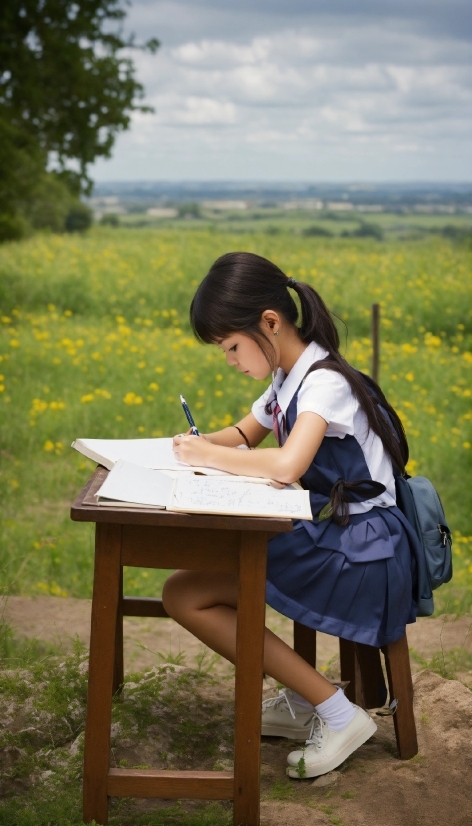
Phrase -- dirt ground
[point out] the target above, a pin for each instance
(150, 641)
(373, 788)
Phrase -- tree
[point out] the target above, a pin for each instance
(66, 90)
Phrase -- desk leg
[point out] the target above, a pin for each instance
(119, 671)
(101, 665)
(249, 670)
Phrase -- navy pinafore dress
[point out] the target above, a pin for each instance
(355, 582)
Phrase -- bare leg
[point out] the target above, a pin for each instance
(205, 604)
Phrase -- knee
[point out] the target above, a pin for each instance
(175, 594)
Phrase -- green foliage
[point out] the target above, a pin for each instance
(79, 218)
(365, 230)
(446, 663)
(282, 790)
(41, 743)
(301, 766)
(16, 650)
(316, 232)
(110, 219)
(66, 90)
(64, 80)
(49, 203)
(191, 210)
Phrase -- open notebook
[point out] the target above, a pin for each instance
(129, 485)
(148, 453)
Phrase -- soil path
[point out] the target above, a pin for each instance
(148, 641)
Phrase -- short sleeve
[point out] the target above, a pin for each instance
(329, 394)
(258, 409)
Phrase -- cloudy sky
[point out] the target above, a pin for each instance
(312, 90)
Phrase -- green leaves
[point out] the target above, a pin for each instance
(65, 88)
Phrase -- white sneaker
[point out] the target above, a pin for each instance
(282, 716)
(326, 749)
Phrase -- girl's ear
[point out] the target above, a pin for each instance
(270, 320)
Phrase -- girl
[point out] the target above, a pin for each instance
(349, 572)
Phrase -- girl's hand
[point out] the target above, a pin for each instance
(193, 450)
(178, 438)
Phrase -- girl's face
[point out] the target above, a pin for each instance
(245, 354)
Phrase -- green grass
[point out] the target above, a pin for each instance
(95, 342)
(41, 741)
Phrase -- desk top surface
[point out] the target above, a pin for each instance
(85, 509)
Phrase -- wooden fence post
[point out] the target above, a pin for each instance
(375, 341)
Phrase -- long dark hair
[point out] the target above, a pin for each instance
(240, 286)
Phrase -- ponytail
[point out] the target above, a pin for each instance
(316, 322)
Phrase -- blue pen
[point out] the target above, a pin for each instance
(189, 417)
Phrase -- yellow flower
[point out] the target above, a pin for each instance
(410, 376)
(411, 467)
(132, 398)
(89, 397)
(153, 386)
(39, 406)
(466, 445)
(432, 341)
(48, 446)
(201, 392)
(218, 392)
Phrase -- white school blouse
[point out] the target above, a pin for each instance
(328, 394)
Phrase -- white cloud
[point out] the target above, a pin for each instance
(361, 88)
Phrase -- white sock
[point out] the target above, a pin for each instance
(300, 701)
(336, 711)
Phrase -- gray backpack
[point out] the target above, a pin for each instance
(419, 501)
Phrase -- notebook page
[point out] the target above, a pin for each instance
(210, 495)
(128, 483)
(148, 453)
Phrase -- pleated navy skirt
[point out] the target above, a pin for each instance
(355, 582)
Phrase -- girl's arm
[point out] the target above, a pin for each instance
(284, 464)
(230, 437)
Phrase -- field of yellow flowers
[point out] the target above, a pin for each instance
(95, 342)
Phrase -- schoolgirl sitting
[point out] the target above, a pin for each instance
(350, 572)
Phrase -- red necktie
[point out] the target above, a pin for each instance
(278, 421)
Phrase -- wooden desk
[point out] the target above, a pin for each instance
(160, 539)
